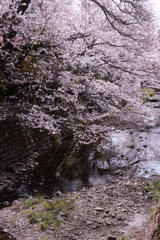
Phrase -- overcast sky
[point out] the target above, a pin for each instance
(156, 6)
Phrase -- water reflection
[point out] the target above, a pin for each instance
(126, 152)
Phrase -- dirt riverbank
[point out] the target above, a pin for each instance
(113, 210)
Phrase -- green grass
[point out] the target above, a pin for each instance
(58, 205)
(33, 217)
(33, 201)
(46, 212)
(46, 217)
(155, 189)
(43, 226)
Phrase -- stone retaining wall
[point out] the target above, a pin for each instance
(18, 141)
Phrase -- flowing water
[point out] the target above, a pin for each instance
(127, 153)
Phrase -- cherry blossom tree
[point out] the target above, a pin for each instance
(81, 62)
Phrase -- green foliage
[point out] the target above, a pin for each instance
(147, 93)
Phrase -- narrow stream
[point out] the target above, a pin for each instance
(129, 154)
